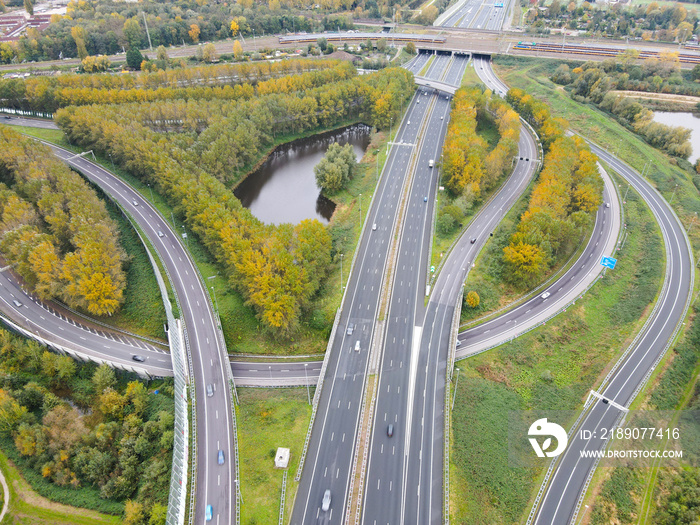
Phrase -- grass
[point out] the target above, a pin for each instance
(268, 419)
(551, 368)
(29, 508)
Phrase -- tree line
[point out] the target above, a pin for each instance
(232, 81)
(98, 440)
(55, 231)
(596, 83)
(278, 269)
(468, 167)
(102, 27)
(563, 202)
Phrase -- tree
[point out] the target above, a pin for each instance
(29, 7)
(322, 44)
(209, 53)
(132, 33)
(234, 28)
(103, 378)
(161, 53)
(410, 48)
(194, 33)
(158, 514)
(473, 299)
(238, 49)
(134, 58)
(78, 33)
(134, 513)
(336, 168)
(10, 413)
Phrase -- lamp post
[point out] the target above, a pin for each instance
(341, 273)
(360, 210)
(238, 490)
(674, 194)
(455, 394)
(216, 304)
(306, 375)
(112, 161)
(376, 153)
(150, 191)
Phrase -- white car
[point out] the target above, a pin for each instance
(326, 503)
(545, 295)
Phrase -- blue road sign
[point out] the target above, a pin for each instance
(608, 262)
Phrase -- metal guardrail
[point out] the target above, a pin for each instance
(280, 520)
(317, 396)
(448, 408)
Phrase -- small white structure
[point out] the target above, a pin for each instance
(282, 458)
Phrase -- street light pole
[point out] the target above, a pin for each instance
(360, 211)
(341, 273)
(308, 393)
(150, 191)
(377, 155)
(455, 394)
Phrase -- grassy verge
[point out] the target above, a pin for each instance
(551, 368)
(29, 508)
(268, 419)
(426, 67)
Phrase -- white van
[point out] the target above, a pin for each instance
(357, 346)
(431, 163)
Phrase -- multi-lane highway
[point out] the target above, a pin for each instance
(329, 459)
(565, 486)
(476, 14)
(386, 495)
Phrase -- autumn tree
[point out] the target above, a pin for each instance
(473, 299)
(194, 33)
(237, 49)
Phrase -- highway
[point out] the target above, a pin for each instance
(477, 14)
(214, 483)
(330, 453)
(567, 288)
(565, 487)
(385, 496)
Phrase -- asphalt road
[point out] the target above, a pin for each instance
(565, 486)
(385, 494)
(424, 497)
(330, 453)
(478, 14)
(561, 292)
(214, 483)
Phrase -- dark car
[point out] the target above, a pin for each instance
(138, 358)
(473, 240)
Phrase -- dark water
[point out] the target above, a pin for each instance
(284, 188)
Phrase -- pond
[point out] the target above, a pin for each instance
(284, 188)
(684, 120)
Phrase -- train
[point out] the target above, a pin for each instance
(577, 49)
(361, 37)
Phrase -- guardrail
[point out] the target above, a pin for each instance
(317, 396)
(448, 408)
(280, 520)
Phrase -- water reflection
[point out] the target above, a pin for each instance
(284, 188)
(684, 120)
